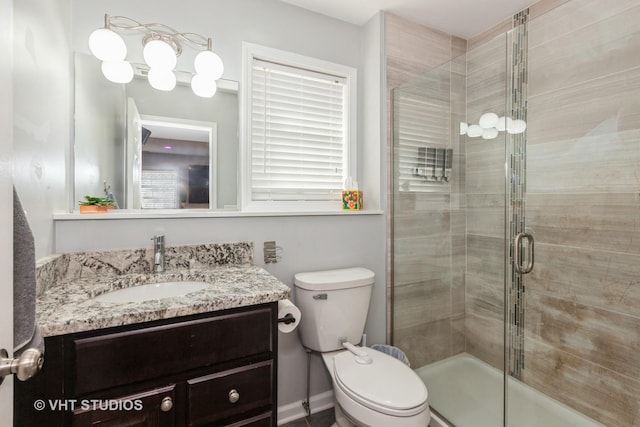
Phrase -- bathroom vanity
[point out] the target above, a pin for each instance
(207, 358)
(212, 369)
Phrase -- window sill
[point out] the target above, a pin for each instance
(196, 213)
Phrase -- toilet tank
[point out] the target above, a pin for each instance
(334, 306)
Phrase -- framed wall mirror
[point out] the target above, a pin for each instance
(122, 135)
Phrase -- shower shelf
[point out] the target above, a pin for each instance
(434, 164)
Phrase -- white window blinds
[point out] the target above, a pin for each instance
(298, 133)
(159, 189)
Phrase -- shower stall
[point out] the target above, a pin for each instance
(516, 223)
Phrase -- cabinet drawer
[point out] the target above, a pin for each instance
(116, 359)
(211, 397)
(142, 409)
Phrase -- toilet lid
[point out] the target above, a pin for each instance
(386, 385)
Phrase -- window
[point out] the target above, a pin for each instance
(299, 131)
(159, 189)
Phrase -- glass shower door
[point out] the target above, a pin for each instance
(572, 322)
(448, 235)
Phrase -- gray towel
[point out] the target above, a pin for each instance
(26, 334)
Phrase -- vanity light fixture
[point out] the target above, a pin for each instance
(161, 49)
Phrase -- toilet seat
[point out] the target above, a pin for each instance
(386, 385)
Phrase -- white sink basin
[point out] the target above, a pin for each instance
(151, 291)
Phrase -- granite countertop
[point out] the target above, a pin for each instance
(68, 307)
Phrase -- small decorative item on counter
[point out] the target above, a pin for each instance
(351, 196)
(95, 204)
(351, 200)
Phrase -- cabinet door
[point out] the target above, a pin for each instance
(153, 408)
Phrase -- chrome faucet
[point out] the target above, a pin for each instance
(158, 254)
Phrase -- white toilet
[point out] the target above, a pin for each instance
(371, 388)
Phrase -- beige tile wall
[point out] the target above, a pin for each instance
(427, 257)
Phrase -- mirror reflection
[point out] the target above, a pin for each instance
(123, 134)
(174, 169)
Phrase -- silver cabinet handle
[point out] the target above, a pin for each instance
(530, 252)
(234, 396)
(25, 366)
(166, 404)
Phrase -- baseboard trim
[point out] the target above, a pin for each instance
(295, 411)
(438, 420)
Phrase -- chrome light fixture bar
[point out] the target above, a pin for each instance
(161, 49)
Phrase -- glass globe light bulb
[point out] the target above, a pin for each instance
(203, 86)
(208, 63)
(488, 120)
(160, 55)
(516, 126)
(162, 79)
(106, 45)
(474, 131)
(490, 133)
(117, 72)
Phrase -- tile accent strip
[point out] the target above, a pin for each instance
(516, 194)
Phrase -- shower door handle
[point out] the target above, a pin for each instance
(523, 269)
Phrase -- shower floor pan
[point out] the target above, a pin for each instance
(469, 392)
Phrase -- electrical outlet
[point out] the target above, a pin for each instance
(271, 252)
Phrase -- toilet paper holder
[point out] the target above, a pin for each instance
(287, 319)
(288, 316)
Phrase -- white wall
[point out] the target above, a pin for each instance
(42, 112)
(373, 156)
(309, 242)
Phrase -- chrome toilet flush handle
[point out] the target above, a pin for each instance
(362, 356)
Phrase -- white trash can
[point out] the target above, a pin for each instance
(393, 352)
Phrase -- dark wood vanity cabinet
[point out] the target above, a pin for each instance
(216, 369)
